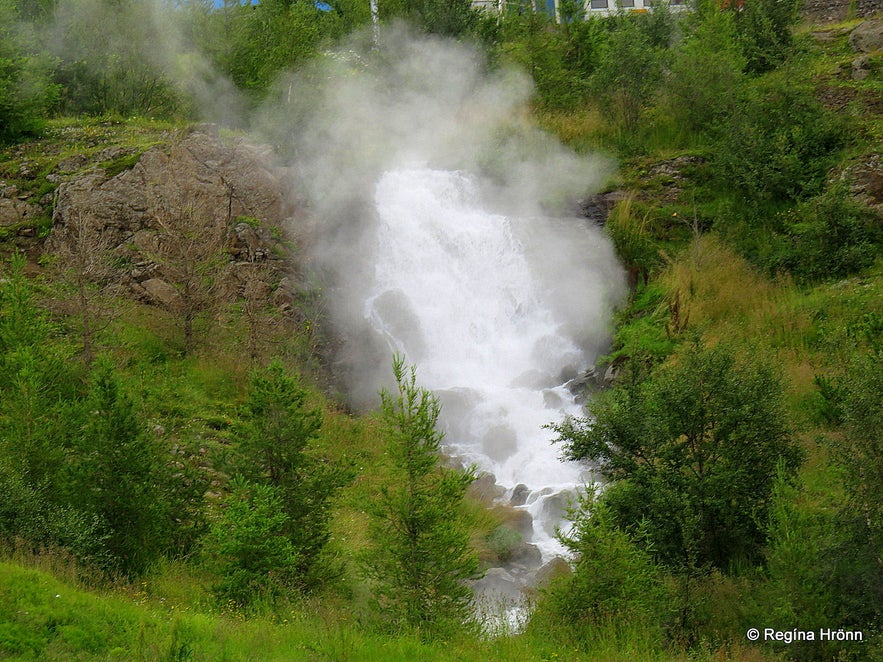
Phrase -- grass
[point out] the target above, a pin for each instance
(45, 618)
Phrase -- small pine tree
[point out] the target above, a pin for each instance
(421, 556)
(258, 558)
(276, 439)
(118, 475)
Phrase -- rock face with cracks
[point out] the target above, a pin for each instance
(228, 188)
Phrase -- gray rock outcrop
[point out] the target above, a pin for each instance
(228, 188)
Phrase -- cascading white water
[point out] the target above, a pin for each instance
(455, 289)
(429, 190)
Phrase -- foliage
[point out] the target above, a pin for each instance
(692, 451)
(275, 438)
(860, 453)
(117, 476)
(111, 59)
(449, 18)
(613, 579)
(629, 73)
(258, 557)
(421, 556)
(777, 144)
(270, 37)
(830, 236)
(764, 28)
(26, 91)
(37, 384)
(700, 90)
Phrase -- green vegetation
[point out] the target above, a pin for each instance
(420, 556)
(171, 498)
(692, 451)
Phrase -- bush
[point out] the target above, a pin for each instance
(776, 146)
(257, 558)
(764, 28)
(613, 579)
(705, 75)
(831, 236)
(693, 451)
(26, 92)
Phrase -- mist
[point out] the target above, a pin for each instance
(418, 102)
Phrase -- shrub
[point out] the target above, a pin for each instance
(693, 451)
(777, 144)
(257, 558)
(832, 236)
(613, 579)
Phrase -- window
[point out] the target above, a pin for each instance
(598, 4)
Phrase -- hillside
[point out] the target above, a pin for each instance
(190, 473)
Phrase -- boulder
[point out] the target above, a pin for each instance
(555, 568)
(160, 292)
(867, 37)
(865, 180)
(861, 67)
(14, 212)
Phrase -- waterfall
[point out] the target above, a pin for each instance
(461, 292)
(436, 236)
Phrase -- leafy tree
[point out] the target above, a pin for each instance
(275, 441)
(706, 71)
(629, 73)
(692, 452)
(258, 558)
(764, 28)
(111, 59)
(421, 556)
(449, 18)
(26, 92)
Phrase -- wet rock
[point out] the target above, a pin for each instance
(611, 374)
(525, 556)
(598, 207)
(519, 495)
(485, 489)
(521, 521)
(555, 568)
(499, 442)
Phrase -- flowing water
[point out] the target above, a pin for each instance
(477, 301)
